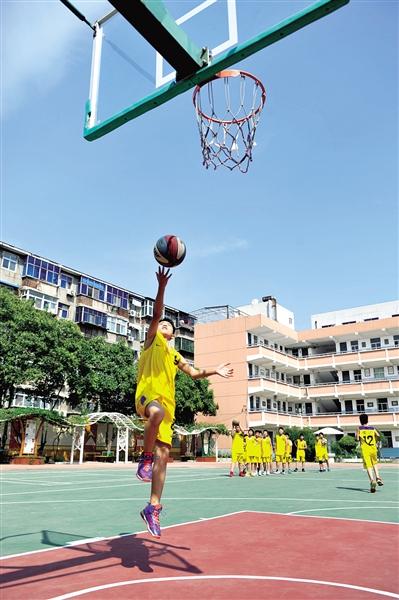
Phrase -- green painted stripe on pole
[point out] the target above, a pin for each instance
(227, 59)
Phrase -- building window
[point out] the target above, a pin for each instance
(92, 289)
(41, 269)
(251, 403)
(364, 344)
(379, 373)
(355, 346)
(357, 375)
(63, 311)
(147, 309)
(342, 347)
(9, 261)
(386, 342)
(375, 343)
(65, 281)
(395, 403)
(84, 314)
(348, 406)
(268, 404)
(396, 341)
(345, 376)
(117, 297)
(360, 406)
(117, 326)
(390, 370)
(41, 301)
(382, 404)
(184, 345)
(367, 372)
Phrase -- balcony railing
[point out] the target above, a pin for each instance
(372, 348)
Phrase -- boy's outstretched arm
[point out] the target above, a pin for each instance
(223, 370)
(163, 278)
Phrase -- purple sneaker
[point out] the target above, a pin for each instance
(150, 514)
(144, 469)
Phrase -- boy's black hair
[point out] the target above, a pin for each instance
(250, 429)
(364, 419)
(258, 431)
(168, 321)
(281, 428)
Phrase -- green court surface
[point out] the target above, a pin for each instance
(57, 506)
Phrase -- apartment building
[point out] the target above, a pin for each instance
(346, 364)
(98, 307)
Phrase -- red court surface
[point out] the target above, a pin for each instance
(235, 556)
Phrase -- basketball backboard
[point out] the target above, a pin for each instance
(130, 77)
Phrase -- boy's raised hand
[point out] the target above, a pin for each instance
(224, 370)
(163, 276)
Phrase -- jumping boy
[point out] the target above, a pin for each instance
(237, 450)
(367, 436)
(155, 400)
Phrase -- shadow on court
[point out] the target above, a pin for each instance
(128, 552)
(353, 489)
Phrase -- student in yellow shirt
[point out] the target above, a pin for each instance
(288, 453)
(267, 452)
(279, 450)
(301, 446)
(368, 437)
(155, 400)
(258, 452)
(250, 453)
(323, 453)
(237, 450)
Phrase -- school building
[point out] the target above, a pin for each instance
(346, 364)
(99, 308)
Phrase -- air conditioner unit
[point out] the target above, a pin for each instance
(70, 293)
(132, 313)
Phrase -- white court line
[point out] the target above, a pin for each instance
(115, 537)
(298, 512)
(132, 478)
(101, 487)
(189, 498)
(108, 586)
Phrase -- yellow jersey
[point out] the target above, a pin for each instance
(288, 447)
(157, 371)
(301, 444)
(238, 443)
(266, 446)
(250, 445)
(280, 444)
(367, 437)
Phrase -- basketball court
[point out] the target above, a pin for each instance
(71, 532)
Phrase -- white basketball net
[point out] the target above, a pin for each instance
(228, 110)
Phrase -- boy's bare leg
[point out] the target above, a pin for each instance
(159, 472)
(154, 413)
(377, 473)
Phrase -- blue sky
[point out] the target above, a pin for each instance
(314, 222)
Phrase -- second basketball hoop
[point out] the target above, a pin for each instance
(228, 109)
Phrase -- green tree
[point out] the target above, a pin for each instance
(348, 445)
(105, 378)
(18, 329)
(193, 396)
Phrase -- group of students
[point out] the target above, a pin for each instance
(254, 453)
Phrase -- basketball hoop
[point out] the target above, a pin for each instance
(227, 117)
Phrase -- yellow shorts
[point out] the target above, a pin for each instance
(267, 459)
(165, 431)
(288, 458)
(369, 459)
(280, 458)
(237, 456)
(323, 456)
(300, 456)
(254, 459)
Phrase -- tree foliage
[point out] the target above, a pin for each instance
(193, 396)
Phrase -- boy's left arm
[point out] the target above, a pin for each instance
(223, 370)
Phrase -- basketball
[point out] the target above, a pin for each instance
(169, 251)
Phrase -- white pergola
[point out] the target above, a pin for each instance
(123, 424)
